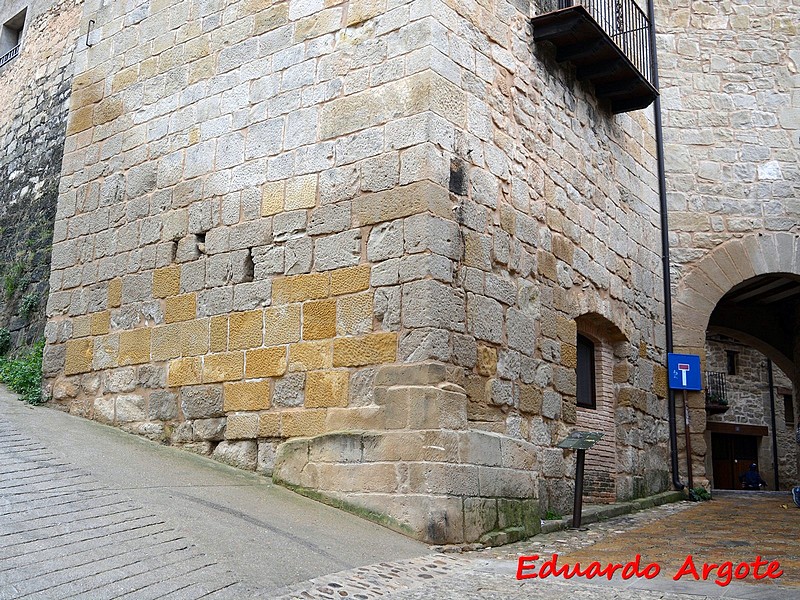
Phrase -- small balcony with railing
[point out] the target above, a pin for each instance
(608, 42)
(716, 393)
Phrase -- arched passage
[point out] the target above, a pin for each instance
(747, 289)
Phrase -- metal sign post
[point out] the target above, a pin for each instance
(580, 441)
(685, 374)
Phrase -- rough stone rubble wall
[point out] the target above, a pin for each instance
(34, 94)
(749, 401)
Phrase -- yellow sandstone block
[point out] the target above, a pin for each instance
(269, 425)
(165, 342)
(134, 347)
(310, 356)
(194, 337)
(167, 281)
(299, 288)
(226, 366)
(350, 280)
(79, 356)
(180, 308)
(201, 69)
(265, 362)
(184, 371)
(81, 119)
(245, 330)
(326, 389)
(302, 423)
(569, 356)
(241, 427)
(319, 320)
(354, 314)
(370, 349)
(115, 293)
(281, 325)
(107, 110)
(101, 322)
(81, 326)
(124, 79)
(272, 198)
(219, 334)
(246, 395)
(301, 192)
(359, 11)
(271, 18)
(87, 95)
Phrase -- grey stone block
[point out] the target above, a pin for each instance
(290, 390)
(336, 251)
(485, 318)
(201, 402)
(162, 406)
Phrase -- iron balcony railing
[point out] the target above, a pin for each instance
(624, 22)
(716, 388)
(8, 56)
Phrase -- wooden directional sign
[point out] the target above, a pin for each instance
(580, 440)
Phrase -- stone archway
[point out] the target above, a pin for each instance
(702, 302)
(700, 289)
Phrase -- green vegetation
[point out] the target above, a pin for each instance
(13, 278)
(28, 306)
(23, 374)
(552, 515)
(699, 494)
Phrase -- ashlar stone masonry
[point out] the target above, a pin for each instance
(352, 244)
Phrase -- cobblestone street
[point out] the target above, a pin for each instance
(74, 525)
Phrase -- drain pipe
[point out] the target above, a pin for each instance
(774, 431)
(662, 196)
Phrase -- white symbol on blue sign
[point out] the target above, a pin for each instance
(684, 372)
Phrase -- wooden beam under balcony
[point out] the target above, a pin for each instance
(580, 40)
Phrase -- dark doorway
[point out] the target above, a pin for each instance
(732, 455)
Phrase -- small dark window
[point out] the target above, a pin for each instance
(788, 410)
(11, 37)
(731, 360)
(585, 373)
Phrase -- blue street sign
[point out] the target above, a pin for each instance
(684, 372)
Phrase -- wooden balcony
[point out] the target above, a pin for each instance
(609, 46)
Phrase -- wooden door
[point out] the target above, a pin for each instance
(731, 456)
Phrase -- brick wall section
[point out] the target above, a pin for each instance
(601, 461)
(34, 95)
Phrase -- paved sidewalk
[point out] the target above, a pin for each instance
(90, 511)
(87, 511)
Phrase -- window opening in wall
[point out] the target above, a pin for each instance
(585, 373)
(788, 410)
(731, 360)
(11, 37)
(249, 267)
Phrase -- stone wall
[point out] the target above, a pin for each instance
(284, 220)
(731, 116)
(34, 94)
(749, 400)
(731, 105)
